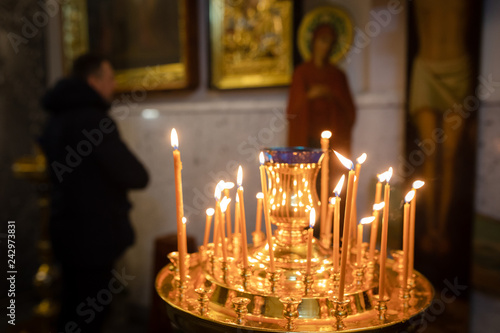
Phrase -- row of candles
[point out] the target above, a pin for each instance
(331, 212)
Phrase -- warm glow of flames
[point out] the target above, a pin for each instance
(260, 195)
(339, 186)
(388, 175)
(239, 179)
(409, 196)
(418, 184)
(210, 211)
(367, 220)
(379, 206)
(312, 218)
(184, 220)
(381, 177)
(224, 203)
(261, 158)
(345, 161)
(333, 200)
(228, 185)
(218, 190)
(174, 140)
(361, 159)
(326, 135)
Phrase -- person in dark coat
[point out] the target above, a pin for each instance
(91, 170)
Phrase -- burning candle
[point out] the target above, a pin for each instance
(347, 219)
(325, 145)
(385, 228)
(210, 212)
(374, 228)
(217, 217)
(376, 213)
(406, 236)
(258, 223)
(267, 220)
(360, 160)
(336, 224)
(411, 259)
(237, 215)
(312, 221)
(223, 207)
(182, 248)
(227, 215)
(362, 222)
(174, 141)
(242, 218)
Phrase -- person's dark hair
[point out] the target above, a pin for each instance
(87, 64)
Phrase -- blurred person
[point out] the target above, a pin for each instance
(91, 170)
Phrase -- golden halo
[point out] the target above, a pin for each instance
(338, 19)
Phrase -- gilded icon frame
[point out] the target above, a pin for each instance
(179, 74)
(260, 56)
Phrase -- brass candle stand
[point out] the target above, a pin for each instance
(228, 297)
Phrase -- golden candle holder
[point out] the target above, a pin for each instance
(341, 310)
(290, 310)
(258, 238)
(274, 297)
(240, 308)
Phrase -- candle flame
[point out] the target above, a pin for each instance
(260, 195)
(312, 218)
(409, 196)
(228, 185)
(339, 186)
(218, 190)
(418, 184)
(261, 158)
(379, 206)
(367, 220)
(210, 211)
(333, 200)
(381, 177)
(345, 161)
(224, 203)
(184, 220)
(326, 135)
(174, 140)
(361, 159)
(388, 175)
(239, 179)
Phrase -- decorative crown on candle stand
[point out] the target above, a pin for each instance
(303, 291)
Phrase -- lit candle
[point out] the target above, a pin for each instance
(347, 219)
(362, 222)
(312, 221)
(385, 228)
(242, 218)
(258, 223)
(174, 141)
(182, 248)
(237, 215)
(376, 213)
(360, 160)
(336, 224)
(267, 220)
(210, 212)
(217, 217)
(325, 145)
(413, 204)
(223, 207)
(374, 228)
(227, 215)
(406, 236)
